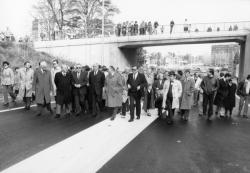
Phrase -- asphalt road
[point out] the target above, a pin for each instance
(23, 134)
(222, 146)
(196, 146)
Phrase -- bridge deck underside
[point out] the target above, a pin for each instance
(181, 41)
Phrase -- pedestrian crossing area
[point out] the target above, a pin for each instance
(87, 151)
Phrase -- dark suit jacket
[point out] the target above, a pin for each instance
(83, 81)
(140, 81)
(157, 84)
(96, 82)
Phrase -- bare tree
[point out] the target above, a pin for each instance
(89, 14)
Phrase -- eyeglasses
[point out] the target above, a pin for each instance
(78, 67)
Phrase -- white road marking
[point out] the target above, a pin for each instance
(18, 108)
(86, 151)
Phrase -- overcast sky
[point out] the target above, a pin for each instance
(16, 14)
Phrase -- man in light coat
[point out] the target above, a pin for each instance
(42, 86)
(172, 91)
(187, 96)
(26, 75)
(7, 81)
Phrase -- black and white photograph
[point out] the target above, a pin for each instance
(124, 86)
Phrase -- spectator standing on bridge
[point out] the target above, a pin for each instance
(26, 80)
(136, 26)
(171, 26)
(156, 24)
(119, 28)
(96, 82)
(186, 26)
(114, 88)
(136, 84)
(124, 29)
(150, 28)
(187, 95)
(63, 82)
(209, 86)
(243, 92)
(7, 81)
(43, 86)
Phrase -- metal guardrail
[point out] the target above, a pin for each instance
(112, 31)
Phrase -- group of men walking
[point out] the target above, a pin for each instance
(83, 90)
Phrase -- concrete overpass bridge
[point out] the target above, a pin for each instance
(121, 51)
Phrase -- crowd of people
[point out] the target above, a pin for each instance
(144, 28)
(133, 28)
(82, 90)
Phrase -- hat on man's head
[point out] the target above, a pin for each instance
(171, 73)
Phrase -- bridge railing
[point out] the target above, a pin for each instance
(167, 30)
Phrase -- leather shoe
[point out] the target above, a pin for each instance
(57, 116)
(130, 120)
(137, 118)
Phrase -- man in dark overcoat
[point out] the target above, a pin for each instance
(63, 82)
(136, 83)
(79, 82)
(96, 82)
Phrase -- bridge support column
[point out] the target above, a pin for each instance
(244, 68)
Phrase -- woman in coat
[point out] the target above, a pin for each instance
(26, 79)
(187, 96)
(230, 98)
(172, 91)
(221, 95)
(149, 99)
(114, 89)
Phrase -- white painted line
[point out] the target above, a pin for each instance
(86, 151)
(18, 108)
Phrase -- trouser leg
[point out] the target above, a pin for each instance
(210, 106)
(246, 105)
(138, 106)
(200, 104)
(205, 103)
(241, 104)
(77, 103)
(114, 113)
(28, 102)
(132, 107)
(39, 109)
(58, 109)
(124, 107)
(11, 92)
(48, 106)
(5, 94)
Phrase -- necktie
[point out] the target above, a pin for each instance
(134, 76)
(78, 75)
